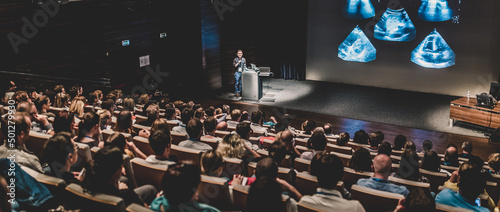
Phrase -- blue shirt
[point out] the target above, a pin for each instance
(452, 198)
(162, 204)
(383, 185)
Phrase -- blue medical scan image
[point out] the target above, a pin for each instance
(435, 10)
(433, 52)
(359, 9)
(395, 25)
(357, 48)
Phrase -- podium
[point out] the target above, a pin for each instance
(251, 85)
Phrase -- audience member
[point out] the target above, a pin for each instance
(63, 122)
(399, 142)
(431, 161)
(419, 199)
(129, 104)
(385, 148)
(494, 163)
(39, 123)
(222, 126)
(59, 155)
(277, 152)
(361, 161)
(287, 139)
(451, 156)
(382, 165)
(195, 130)
(186, 116)
(211, 164)
(210, 125)
(160, 142)
(467, 150)
(343, 139)
(179, 185)
(124, 123)
(470, 185)
(427, 146)
(88, 129)
(24, 157)
(77, 106)
(309, 126)
(126, 147)
(409, 165)
(104, 174)
(330, 170)
(232, 146)
(42, 104)
(235, 118)
(374, 140)
(153, 113)
(318, 143)
(360, 137)
(256, 123)
(328, 129)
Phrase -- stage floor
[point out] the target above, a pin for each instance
(395, 107)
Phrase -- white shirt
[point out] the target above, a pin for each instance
(152, 159)
(331, 200)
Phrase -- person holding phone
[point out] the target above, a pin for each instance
(239, 64)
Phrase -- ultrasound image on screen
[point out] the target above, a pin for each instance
(433, 52)
(395, 25)
(359, 9)
(357, 48)
(435, 10)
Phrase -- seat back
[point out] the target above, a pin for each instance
(138, 127)
(301, 142)
(221, 134)
(77, 199)
(351, 177)
(147, 173)
(447, 208)
(186, 154)
(240, 193)
(210, 141)
(302, 149)
(36, 141)
(140, 118)
(55, 185)
(129, 171)
(340, 149)
(436, 179)
(134, 207)
(492, 189)
(177, 137)
(302, 164)
(344, 157)
(143, 145)
(232, 166)
(306, 184)
(375, 200)
(172, 124)
(214, 191)
(308, 207)
(409, 183)
(356, 146)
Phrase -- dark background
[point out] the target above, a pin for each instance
(82, 42)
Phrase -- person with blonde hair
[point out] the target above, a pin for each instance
(128, 104)
(77, 106)
(143, 99)
(232, 146)
(211, 164)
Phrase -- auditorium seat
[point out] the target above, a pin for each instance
(263, 153)
(409, 183)
(147, 173)
(450, 169)
(345, 158)
(138, 127)
(436, 179)
(356, 146)
(221, 134)
(307, 207)
(351, 177)
(447, 208)
(134, 207)
(78, 199)
(307, 184)
(214, 191)
(36, 141)
(340, 149)
(188, 154)
(172, 124)
(232, 166)
(301, 142)
(267, 142)
(210, 141)
(55, 185)
(375, 200)
(55, 110)
(302, 164)
(129, 172)
(178, 137)
(483, 198)
(254, 140)
(143, 144)
(140, 118)
(492, 189)
(397, 152)
(240, 193)
(302, 149)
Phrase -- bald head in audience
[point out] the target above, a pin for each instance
(382, 166)
(286, 136)
(451, 156)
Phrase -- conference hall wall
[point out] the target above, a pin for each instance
(433, 46)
